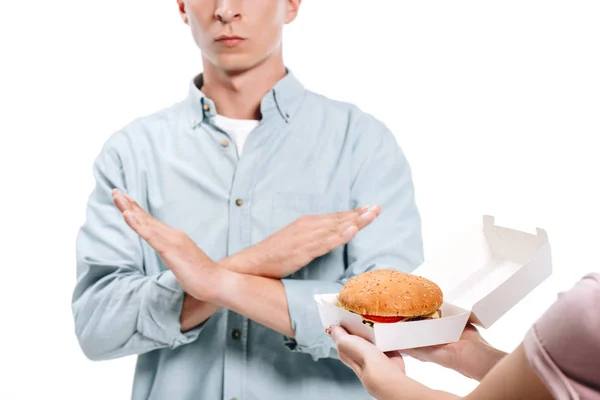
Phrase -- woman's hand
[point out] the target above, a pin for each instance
(382, 374)
(379, 372)
(472, 356)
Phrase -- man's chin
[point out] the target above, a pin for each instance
(231, 64)
(236, 63)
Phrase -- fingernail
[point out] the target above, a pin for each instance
(328, 331)
(372, 208)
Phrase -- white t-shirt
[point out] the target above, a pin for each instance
(238, 129)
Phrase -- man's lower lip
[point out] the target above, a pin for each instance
(230, 42)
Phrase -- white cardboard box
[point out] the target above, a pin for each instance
(483, 273)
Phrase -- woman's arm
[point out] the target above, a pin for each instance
(384, 377)
(511, 378)
(559, 357)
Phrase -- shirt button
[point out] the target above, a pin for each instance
(236, 334)
(239, 202)
(224, 143)
(206, 107)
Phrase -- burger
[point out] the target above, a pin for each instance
(389, 296)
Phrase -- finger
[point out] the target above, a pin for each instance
(120, 200)
(139, 212)
(347, 350)
(329, 231)
(397, 359)
(353, 221)
(141, 227)
(358, 349)
(352, 215)
(366, 218)
(137, 226)
(361, 216)
(146, 220)
(348, 233)
(136, 215)
(158, 235)
(124, 202)
(348, 215)
(337, 333)
(345, 232)
(331, 238)
(132, 214)
(326, 240)
(436, 354)
(343, 217)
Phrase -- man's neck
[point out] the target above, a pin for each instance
(238, 95)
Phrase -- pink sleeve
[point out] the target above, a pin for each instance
(563, 346)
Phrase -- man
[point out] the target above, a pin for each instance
(249, 196)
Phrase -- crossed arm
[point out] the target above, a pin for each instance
(247, 282)
(120, 309)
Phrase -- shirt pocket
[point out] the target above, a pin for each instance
(289, 206)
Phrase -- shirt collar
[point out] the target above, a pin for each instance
(283, 99)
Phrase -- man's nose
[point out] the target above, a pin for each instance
(228, 11)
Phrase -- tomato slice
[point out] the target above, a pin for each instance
(384, 320)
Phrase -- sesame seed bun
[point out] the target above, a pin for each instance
(390, 293)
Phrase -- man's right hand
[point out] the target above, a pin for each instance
(297, 244)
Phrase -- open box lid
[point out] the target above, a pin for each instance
(488, 269)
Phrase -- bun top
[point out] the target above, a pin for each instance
(390, 293)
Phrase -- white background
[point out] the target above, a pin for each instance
(496, 105)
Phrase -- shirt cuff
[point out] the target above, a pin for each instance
(160, 312)
(310, 336)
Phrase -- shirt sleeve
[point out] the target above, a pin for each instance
(117, 309)
(393, 241)
(563, 346)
